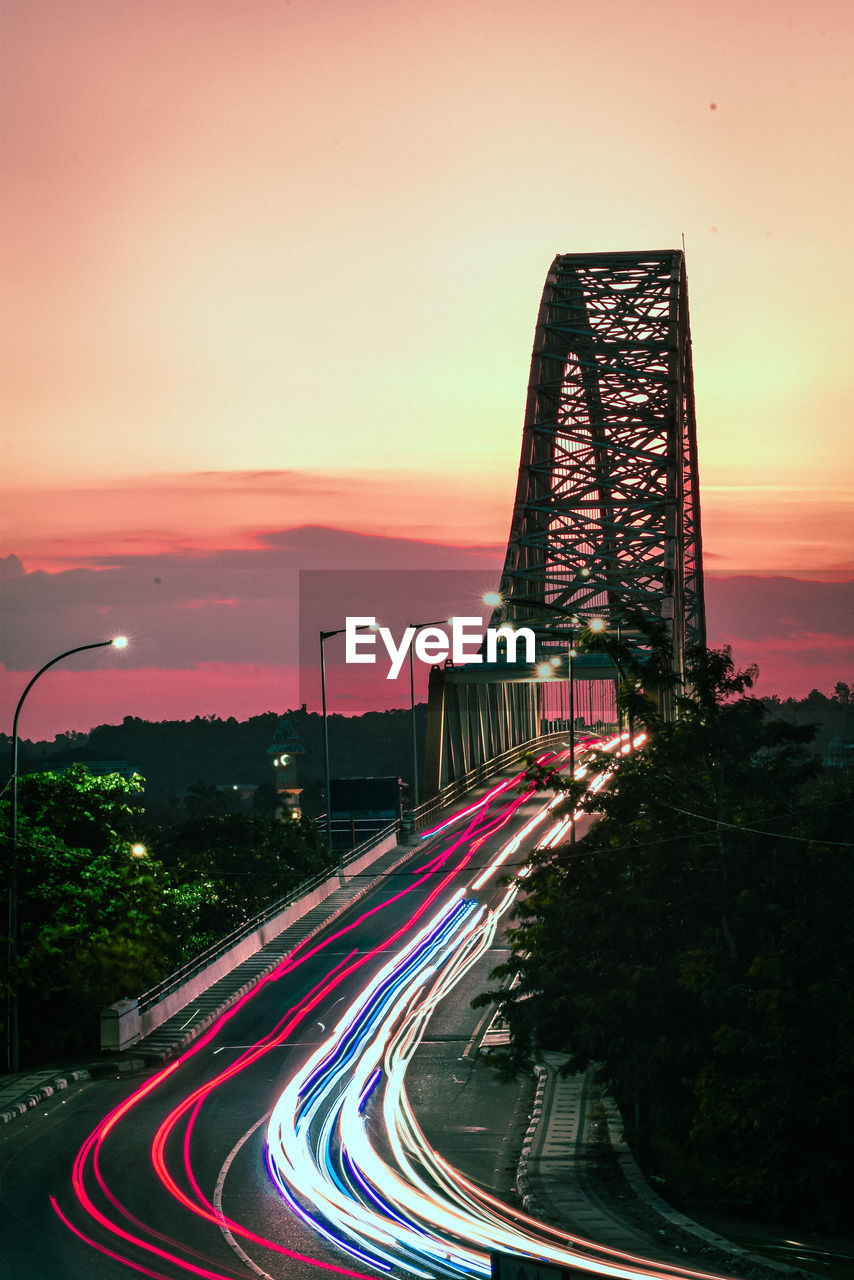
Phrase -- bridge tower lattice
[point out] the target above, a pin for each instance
(606, 519)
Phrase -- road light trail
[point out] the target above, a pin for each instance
(414, 1209)
(146, 1241)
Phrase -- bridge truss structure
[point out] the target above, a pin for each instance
(606, 520)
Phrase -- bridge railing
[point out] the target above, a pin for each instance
(418, 816)
(414, 819)
(212, 953)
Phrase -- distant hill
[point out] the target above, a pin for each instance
(173, 755)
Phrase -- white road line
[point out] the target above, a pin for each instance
(217, 1201)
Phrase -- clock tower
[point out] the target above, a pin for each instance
(283, 751)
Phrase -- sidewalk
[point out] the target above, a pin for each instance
(19, 1093)
(553, 1170)
(575, 1130)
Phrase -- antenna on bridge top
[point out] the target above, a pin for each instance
(683, 244)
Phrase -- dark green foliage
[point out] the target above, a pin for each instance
(224, 870)
(97, 923)
(698, 946)
(207, 751)
(89, 910)
(832, 717)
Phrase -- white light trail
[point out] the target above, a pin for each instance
(407, 1207)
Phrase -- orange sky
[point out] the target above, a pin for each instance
(274, 264)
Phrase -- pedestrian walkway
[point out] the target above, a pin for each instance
(575, 1126)
(554, 1176)
(19, 1093)
(179, 1031)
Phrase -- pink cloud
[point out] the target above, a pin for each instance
(778, 529)
(756, 608)
(155, 515)
(216, 632)
(798, 632)
(197, 621)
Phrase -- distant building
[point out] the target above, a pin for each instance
(283, 751)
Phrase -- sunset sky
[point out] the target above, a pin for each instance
(270, 275)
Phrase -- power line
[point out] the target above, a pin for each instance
(773, 835)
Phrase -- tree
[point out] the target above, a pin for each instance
(696, 946)
(98, 922)
(88, 908)
(224, 869)
(843, 693)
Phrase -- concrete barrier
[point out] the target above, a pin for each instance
(120, 1025)
(124, 1023)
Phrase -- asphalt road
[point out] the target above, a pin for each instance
(72, 1211)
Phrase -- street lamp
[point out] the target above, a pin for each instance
(417, 626)
(546, 671)
(324, 636)
(12, 1038)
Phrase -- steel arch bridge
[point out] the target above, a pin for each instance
(606, 519)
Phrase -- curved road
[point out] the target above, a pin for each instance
(166, 1176)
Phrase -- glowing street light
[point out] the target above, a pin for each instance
(324, 636)
(418, 626)
(12, 1038)
(546, 671)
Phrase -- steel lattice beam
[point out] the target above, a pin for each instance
(606, 519)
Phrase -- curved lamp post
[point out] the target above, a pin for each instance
(324, 636)
(417, 626)
(595, 625)
(12, 1039)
